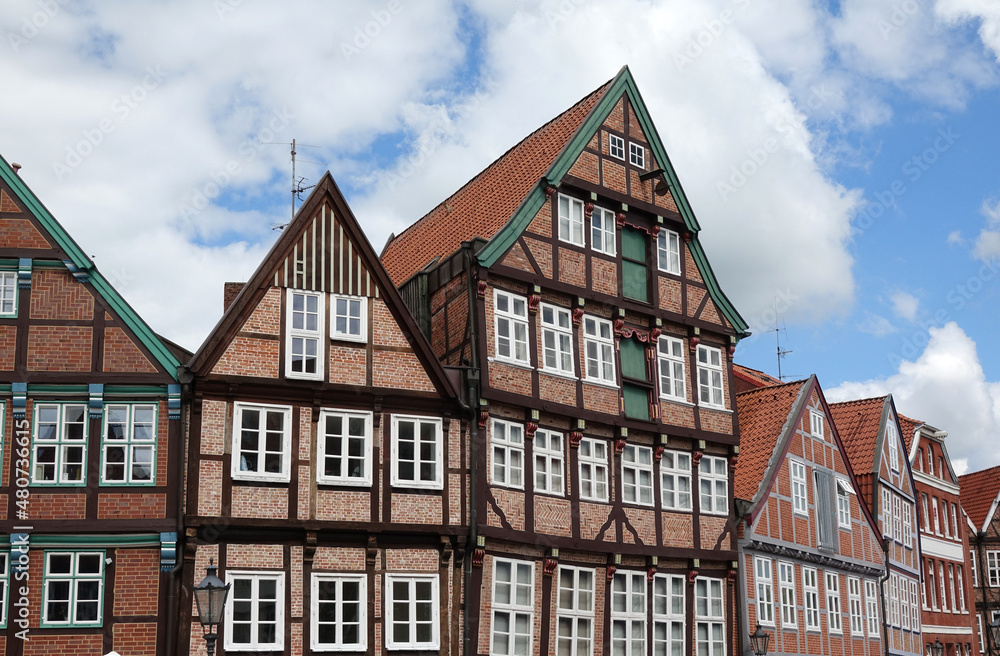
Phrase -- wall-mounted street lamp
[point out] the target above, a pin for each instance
(759, 640)
(210, 596)
(994, 629)
(937, 649)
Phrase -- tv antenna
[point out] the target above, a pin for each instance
(781, 353)
(297, 187)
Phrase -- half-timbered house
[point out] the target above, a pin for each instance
(91, 450)
(811, 552)
(327, 463)
(980, 495)
(571, 274)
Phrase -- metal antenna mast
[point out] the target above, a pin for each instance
(781, 353)
(297, 187)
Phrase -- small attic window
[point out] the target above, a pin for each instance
(636, 155)
(816, 424)
(616, 146)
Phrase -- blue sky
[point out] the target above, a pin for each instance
(841, 157)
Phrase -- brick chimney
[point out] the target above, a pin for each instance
(229, 293)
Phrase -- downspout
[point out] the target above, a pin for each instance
(983, 572)
(882, 591)
(742, 631)
(185, 377)
(472, 381)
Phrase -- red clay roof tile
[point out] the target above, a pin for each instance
(762, 414)
(978, 491)
(857, 424)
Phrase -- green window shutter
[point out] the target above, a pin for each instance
(635, 284)
(633, 245)
(636, 402)
(633, 359)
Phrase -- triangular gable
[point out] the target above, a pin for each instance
(83, 267)
(980, 494)
(322, 249)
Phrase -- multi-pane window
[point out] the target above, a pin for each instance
(339, 612)
(675, 480)
(304, 344)
(786, 588)
(8, 293)
(571, 220)
(713, 480)
(897, 517)
(710, 376)
(345, 447)
(261, 442)
(816, 424)
(616, 146)
(575, 612)
(904, 603)
(913, 606)
(961, 588)
(557, 339)
(668, 615)
(635, 275)
(511, 319)
(4, 580)
(810, 590)
(602, 231)
(637, 475)
(508, 453)
(832, 580)
(73, 586)
(547, 448)
(513, 607)
(872, 607)
(854, 603)
(255, 613)
(593, 459)
(128, 456)
(710, 627)
(844, 492)
(800, 500)
(951, 587)
(972, 567)
(907, 524)
(954, 521)
(599, 346)
(765, 590)
(926, 524)
(411, 611)
(944, 519)
(349, 318)
(937, 515)
(893, 444)
(670, 352)
(628, 614)
(59, 447)
(636, 155)
(931, 586)
(668, 252)
(417, 452)
(894, 599)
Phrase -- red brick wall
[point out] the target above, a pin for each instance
(60, 348)
(57, 506)
(64, 645)
(8, 344)
(137, 639)
(261, 502)
(19, 233)
(348, 364)
(121, 353)
(266, 317)
(399, 370)
(247, 356)
(55, 294)
(131, 506)
(137, 580)
(572, 267)
(230, 291)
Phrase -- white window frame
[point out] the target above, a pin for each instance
(592, 467)
(74, 577)
(954, 521)
(605, 231)
(907, 525)
(961, 588)
(904, 604)
(932, 584)
(894, 599)
(817, 424)
(926, 524)
(256, 576)
(130, 442)
(710, 618)
(437, 483)
(62, 444)
(951, 588)
(713, 471)
(636, 155)
(711, 389)
(798, 475)
(557, 339)
(512, 609)
(571, 228)
(550, 462)
(616, 147)
(810, 592)
(603, 347)
(338, 581)
(764, 590)
(259, 474)
(668, 252)
(516, 325)
(346, 442)
(872, 607)
(855, 607)
(4, 586)
(315, 336)
(348, 335)
(915, 609)
(982, 638)
(669, 615)
(388, 594)
(930, 460)
(786, 595)
(628, 586)
(844, 492)
(833, 613)
(507, 454)
(8, 294)
(575, 610)
(671, 366)
(893, 445)
(897, 518)
(973, 570)
(993, 568)
(944, 519)
(637, 475)
(675, 470)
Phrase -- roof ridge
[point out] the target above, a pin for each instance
(864, 400)
(771, 388)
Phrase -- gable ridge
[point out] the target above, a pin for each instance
(979, 492)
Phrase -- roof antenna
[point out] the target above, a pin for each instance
(781, 353)
(297, 187)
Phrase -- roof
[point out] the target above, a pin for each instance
(485, 203)
(858, 425)
(978, 491)
(762, 414)
(908, 427)
(748, 378)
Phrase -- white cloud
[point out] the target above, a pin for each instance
(876, 325)
(955, 238)
(985, 11)
(905, 305)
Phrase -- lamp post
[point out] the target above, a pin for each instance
(937, 648)
(994, 629)
(758, 641)
(210, 596)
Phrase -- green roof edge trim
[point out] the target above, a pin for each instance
(80, 259)
(96, 540)
(622, 83)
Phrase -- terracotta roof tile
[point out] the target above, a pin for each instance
(857, 424)
(908, 426)
(487, 202)
(748, 379)
(978, 490)
(762, 414)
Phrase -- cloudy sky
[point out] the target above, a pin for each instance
(841, 156)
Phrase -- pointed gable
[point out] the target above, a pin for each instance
(979, 493)
(858, 423)
(764, 415)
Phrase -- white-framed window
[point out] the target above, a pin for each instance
(973, 571)
(675, 480)
(73, 586)
(872, 607)
(982, 638)
(628, 614)
(954, 521)
(59, 447)
(914, 608)
(575, 612)
(993, 568)
(570, 220)
(944, 519)
(907, 525)
(511, 326)
(710, 376)
(557, 339)
(513, 607)
(786, 588)
(339, 612)
(854, 606)
(817, 424)
(417, 452)
(668, 252)
(507, 450)
(349, 318)
(593, 457)
(304, 335)
(637, 474)
(616, 146)
(904, 603)
(669, 619)
(893, 444)
(344, 447)
(764, 589)
(599, 346)
(262, 442)
(951, 587)
(670, 352)
(894, 599)
(636, 155)
(713, 481)
(832, 580)
(255, 614)
(602, 231)
(930, 460)
(897, 518)
(547, 448)
(931, 585)
(844, 492)
(412, 611)
(926, 524)
(128, 453)
(4, 584)
(810, 592)
(800, 498)
(709, 615)
(961, 588)
(8, 293)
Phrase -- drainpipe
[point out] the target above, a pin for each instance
(185, 378)
(983, 572)
(881, 594)
(472, 381)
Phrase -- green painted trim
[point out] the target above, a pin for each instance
(78, 390)
(73, 578)
(58, 389)
(118, 305)
(134, 390)
(95, 541)
(58, 443)
(128, 443)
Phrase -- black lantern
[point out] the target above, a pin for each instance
(995, 631)
(937, 648)
(210, 596)
(758, 641)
